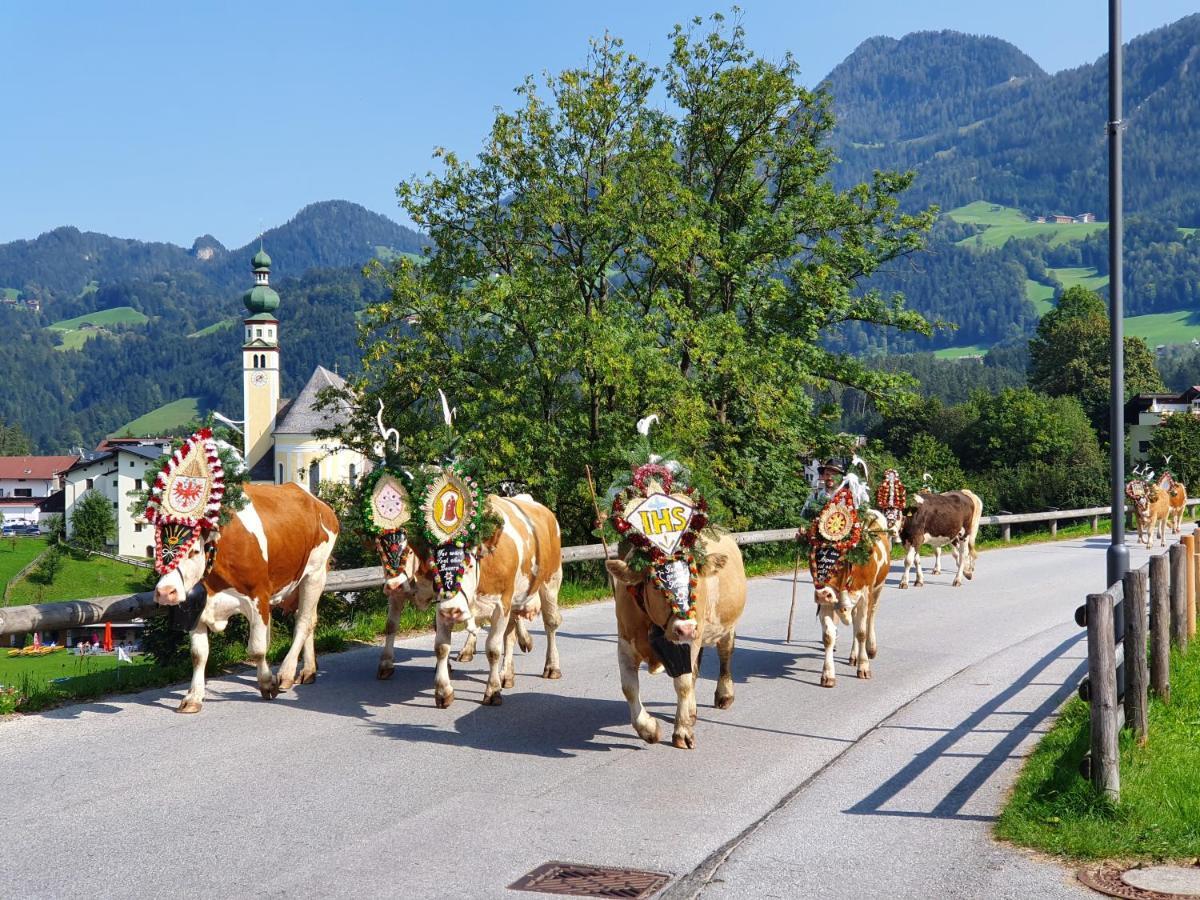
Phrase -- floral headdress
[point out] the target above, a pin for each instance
(891, 497)
(386, 508)
(835, 537)
(185, 499)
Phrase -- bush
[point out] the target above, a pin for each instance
(48, 567)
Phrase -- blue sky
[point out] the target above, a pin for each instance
(164, 121)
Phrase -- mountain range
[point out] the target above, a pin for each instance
(978, 121)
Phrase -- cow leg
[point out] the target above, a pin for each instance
(443, 693)
(308, 669)
(685, 711)
(861, 615)
(937, 561)
(495, 649)
(644, 724)
(258, 614)
(387, 658)
(508, 673)
(723, 699)
(828, 638)
(551, 619)
(194, 698)
(306, 622)
(876, 593)
(524, 640)
(961, 558)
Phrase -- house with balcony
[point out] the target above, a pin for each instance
(1145, 412)
(27, 483)
(114, 472)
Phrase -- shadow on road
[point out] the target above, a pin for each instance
(941, 751)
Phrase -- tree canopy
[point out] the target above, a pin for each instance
(605, 257)
(92, 521)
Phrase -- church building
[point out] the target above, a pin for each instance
(280, 440)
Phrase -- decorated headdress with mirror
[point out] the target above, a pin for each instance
(835, 536)
(386, 509)
(891, 497)
(185, 499)
(453, 520)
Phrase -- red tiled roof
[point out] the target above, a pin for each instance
(44, 467)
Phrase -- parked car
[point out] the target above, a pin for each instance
(28, 529)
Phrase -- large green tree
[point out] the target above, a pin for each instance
(1178, 438)
(1069, 356)
(13, 441)
(603, 258)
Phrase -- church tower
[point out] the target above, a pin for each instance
(260, 362)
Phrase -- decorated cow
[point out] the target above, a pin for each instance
(679, 587)
(216, 557)
(1152, 509)
(1176, 499)
(849, 555)
(891, 499)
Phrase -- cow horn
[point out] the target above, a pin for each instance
(447, 412)
(386, 433)
(857, 460)
(643, 425)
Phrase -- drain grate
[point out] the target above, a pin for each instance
(1108, 880)
(591, 881)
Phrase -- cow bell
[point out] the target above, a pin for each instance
(676, 658)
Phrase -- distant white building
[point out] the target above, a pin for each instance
(1145, 412)
(27, 483)
(115, 469)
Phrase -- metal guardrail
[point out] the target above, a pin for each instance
(93, 610)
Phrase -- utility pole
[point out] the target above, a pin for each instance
(1118, 554)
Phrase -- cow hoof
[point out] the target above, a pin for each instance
(648, 732)
(269, 693)
(188, 706)
(828, 681)
(903, 585)
(970, 575)
(465, 656)
(920, 584)
(385, 672)
(853, 660)
(864, 673)
(307, 677)
(508, 681)
(684, 740)
(443, 701)
(552, 673)
(723, 702)
(493, 699)
(871, 652)
(956, 583)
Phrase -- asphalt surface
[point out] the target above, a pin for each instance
(881, 787)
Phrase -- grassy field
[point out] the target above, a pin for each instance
(1040, 295)
(1082, 276)
(1165, 328)
(10, 293)
(963, 351)
(91, 577)
(76, 332)
(158, 421)
(1004, 222)
(16, 553)
(1054, 810)
(222, 325)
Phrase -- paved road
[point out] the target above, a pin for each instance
(875, 788)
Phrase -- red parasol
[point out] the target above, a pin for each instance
(108, 637)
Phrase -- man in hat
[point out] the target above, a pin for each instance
(831, 473)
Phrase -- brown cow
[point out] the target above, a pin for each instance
(852, 595)
(514, 575)
(1177, 493)
(1153, 508)
(940, 519)
(643, 606)
(273, 552)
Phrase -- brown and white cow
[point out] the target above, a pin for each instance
(514, 575)
(1177, 494)
(643, 606)
(402, 589)
(852, 595)
(275, 551)
(940, 519)
(1153, 509)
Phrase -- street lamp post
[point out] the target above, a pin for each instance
(1118, 555)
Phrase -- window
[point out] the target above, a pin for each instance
(279, 480)
(353, 473)
(314, 478)
(114, 482)
(131, 464)
(137, 484)
(1143, 446)
(115, 505)
(22, 492)
(258, 332)
(89, 484)
(138, 527)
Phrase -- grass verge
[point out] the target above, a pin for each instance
(93, 576)
(16, 553)
(1054, 810)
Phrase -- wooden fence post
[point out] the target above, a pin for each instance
(1189, 544)
(1095, 524)
(1136, 674)
(1102, 680)
(1053, 527)
(1160, 622)
(1191, 613)
(1006, 532)
(1178, 595)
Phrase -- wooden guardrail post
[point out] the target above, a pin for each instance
(1179, 561)
(1006, 532)
(1192, 599)
(1102, 674)
(1189, 545)
(1095, 524)
(1136, 586)
(1160, 623)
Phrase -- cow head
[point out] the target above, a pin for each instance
(839, 597)
(183, 557)
(665, 590)
(451, 575)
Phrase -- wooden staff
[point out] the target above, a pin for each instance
(596, 507)
(795, 579)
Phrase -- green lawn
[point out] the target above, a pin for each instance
(76, 332)
(1165, 328)
(1004, 222)
(16, 553)
(10, 293)
(222, 325)
(79, 578)
(1054, 810)
(1082, 276)
(987, 214)
(1040, 295)
(963, 351)
(60, 664)
(159, 421)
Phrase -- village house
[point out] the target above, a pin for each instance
(114, 469)
(27, 486)
(1145, 412)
